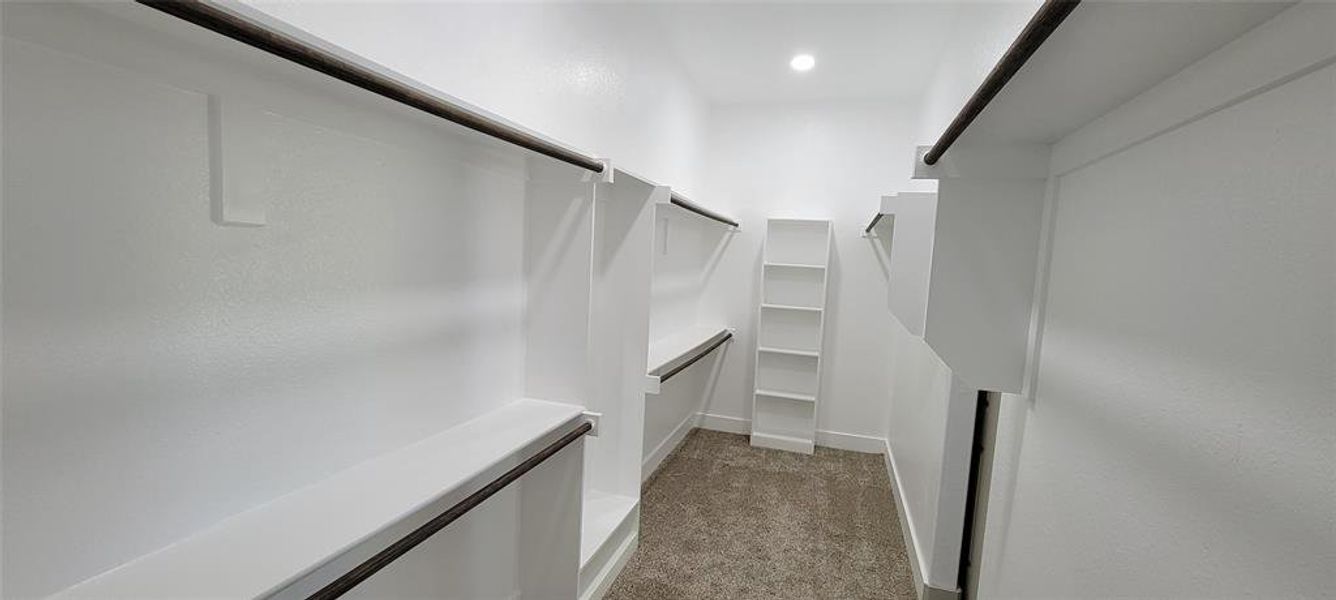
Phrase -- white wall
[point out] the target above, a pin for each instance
(599, 77)
(162, 372)
(1180, 439)
(827, 160)
(983, 32)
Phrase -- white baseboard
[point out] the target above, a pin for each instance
(781, 442)
(917, 568)
(724, 424)
(651, 463)
(830, 439)
(853, 442)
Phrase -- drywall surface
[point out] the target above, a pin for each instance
(829, 161)
(1181, 435)
(598, 76)
(982, 34)
(161, 371)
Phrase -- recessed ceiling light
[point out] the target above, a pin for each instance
(802, 62)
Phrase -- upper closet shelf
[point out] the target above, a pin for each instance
(1038, 105)
(256, 29)
(670, 355)
(345, 518)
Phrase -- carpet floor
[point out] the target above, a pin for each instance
(724, 520)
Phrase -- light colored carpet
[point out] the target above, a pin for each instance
(724, 520)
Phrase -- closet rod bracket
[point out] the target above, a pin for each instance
(604, 176)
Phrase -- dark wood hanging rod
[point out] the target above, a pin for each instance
(701, 210)
(875, 219)
(1041, 25)
(285, 46)
(382, 559)
(702, 354)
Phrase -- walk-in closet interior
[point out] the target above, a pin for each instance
(658, 301)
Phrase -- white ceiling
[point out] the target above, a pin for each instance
(739, 52)
(1105, 54)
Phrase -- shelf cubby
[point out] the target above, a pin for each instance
(797, 241)
(788, 285)
(787, 373)
(790, 329)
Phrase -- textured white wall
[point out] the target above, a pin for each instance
(597, 76)
(983, 32)
(1181, 435)
(827, 160)
(162, 372)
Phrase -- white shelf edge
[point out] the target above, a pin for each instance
(795, 266)
(786, 395)
(665, 353)
(668, 352)
(790, 352)
(261, 551)
(791, 307)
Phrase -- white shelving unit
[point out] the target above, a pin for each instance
(790, 324)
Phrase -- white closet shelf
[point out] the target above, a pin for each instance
(781, 265)
(786, 395)
(353, 513)
(674, 350)
(602, 514)
(790, 352)
(791, 307)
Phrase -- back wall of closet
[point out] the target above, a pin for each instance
(829, 160)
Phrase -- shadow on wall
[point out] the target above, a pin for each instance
(1160, 450)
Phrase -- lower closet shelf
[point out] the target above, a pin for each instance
(603, 514)
(346, 517)
(609, 530)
